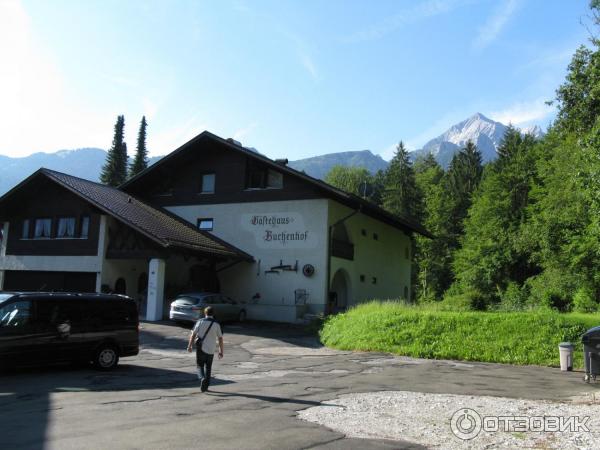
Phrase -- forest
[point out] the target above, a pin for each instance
(519, 233)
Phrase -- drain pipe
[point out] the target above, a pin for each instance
(329, 241)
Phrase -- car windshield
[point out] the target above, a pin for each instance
(185, 300)
(4, 297)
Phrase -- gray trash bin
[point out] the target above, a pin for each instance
(591, 353)
(566, 356)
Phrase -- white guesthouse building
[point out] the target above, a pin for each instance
(210, 216)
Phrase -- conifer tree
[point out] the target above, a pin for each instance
(114, 170)
(401, 195)
(140, 161)
(463, 177)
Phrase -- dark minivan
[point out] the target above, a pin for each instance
(39, 328)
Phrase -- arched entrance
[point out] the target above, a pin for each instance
(339, 296)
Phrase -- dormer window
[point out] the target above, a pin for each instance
(259, 176)
(208, 183)
(274, 179)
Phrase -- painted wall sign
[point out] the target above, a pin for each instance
(285, 230)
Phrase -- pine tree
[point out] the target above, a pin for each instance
(401, 195)
(462, 179)
(492, 256)
(114, 171)
(140, 162)
(433, 267)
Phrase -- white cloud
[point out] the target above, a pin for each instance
(524, 113)
(242, 132)
(303, 52)
(309, 65)
(388, 152)
(411, 15)
(494, 25)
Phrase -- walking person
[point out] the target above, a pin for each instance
(205, 333)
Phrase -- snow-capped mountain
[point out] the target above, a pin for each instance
(87, 163)
(534, 130)
(482, 131)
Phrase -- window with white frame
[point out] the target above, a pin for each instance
(43, 228)
(65, 227)
(208, 183)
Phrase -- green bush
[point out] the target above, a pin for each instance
(584, 301)
(514, 298)
(420, 331)
(553, 289)
(464, 301)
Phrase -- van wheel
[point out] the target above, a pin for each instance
(106, 357)
(242, 316)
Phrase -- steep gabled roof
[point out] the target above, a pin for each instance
(346, 198)
(160, 226)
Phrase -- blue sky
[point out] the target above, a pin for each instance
(290, 78)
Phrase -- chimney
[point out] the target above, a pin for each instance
(233, 141)
(282, 161)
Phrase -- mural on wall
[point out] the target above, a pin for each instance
(285, 230)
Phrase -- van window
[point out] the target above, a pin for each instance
(108, 313)
(16, 314)
(55, 312)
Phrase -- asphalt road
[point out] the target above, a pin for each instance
(269, 372)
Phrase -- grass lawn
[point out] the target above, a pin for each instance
(511, 338)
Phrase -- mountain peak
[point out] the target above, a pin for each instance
(479, 116)
(484, 132)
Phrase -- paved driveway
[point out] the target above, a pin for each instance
(269, 372)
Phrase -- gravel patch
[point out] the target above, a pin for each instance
(427, 419)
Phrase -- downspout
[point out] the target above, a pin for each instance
(329, 241)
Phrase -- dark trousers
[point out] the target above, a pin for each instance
(204, 362)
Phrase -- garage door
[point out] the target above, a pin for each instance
(28, 280)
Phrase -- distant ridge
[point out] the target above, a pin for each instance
(486, 133)
(319, 166)
(87, 162)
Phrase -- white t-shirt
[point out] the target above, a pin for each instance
(209, 344)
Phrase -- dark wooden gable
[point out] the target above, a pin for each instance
(43, 198)
(126, 243)
(177, 181)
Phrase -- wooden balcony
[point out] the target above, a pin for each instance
(342, 249)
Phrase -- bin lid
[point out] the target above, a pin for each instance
(566, 345)
(591, 334)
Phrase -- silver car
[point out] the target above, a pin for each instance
(190, 307)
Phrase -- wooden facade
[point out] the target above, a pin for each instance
(178, 180)
(44, 199)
